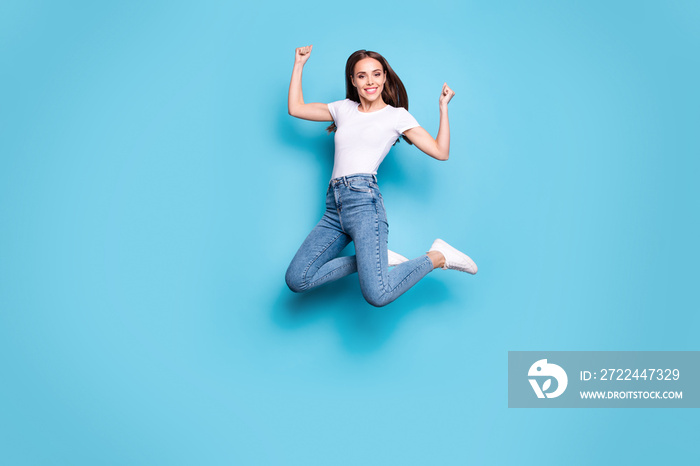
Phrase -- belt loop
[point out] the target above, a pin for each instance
(375, 178)
(345, 180)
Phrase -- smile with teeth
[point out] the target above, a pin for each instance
(370, 90)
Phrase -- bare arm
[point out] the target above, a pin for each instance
(296, 106)
(438, 148)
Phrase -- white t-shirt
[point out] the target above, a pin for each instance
(362, 140)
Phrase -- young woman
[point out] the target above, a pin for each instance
(366, 124)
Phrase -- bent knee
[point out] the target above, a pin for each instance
(378, 299)
(295, 281)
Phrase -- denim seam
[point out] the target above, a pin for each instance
(378, 239)
(338, 205)
(407, 276)
(329, 274)
(306, 270)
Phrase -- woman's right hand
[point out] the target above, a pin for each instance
(302, 54)
(446, 95)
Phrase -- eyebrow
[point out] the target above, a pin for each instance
(366, 71)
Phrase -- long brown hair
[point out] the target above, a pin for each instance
(394, 92)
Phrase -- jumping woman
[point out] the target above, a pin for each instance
(367, 123)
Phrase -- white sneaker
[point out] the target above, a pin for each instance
(395, 258)
(454, 259)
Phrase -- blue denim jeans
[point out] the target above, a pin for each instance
(354, 212)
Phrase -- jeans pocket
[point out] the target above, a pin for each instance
(360, 187)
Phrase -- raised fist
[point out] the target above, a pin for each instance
(302, 54)
(446, 94)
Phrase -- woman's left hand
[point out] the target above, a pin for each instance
(446, 95)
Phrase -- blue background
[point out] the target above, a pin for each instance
(153, 190)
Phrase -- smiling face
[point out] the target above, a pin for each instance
(369, 78)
